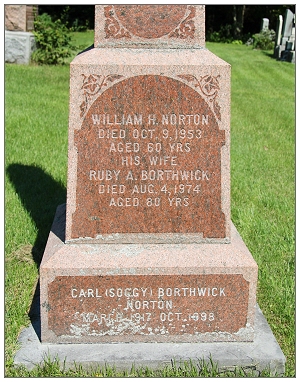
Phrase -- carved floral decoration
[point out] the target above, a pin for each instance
(92, 84)
(187, 26)
(209, 87)
(112, 25)
(115, 29)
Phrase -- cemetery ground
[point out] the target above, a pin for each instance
(262, 191)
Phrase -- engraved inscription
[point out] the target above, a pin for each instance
(148, 305)
(149, 160)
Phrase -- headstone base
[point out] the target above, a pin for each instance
(146, 292)
(278, 51)
(263, 353)
(19, 47)
(288, 55)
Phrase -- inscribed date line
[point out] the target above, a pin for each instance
(172, 189)
(141, 134)
(110, 318)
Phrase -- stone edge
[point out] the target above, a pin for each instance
(263, 353)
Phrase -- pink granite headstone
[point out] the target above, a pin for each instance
(156, 134)
(147, 252)
(19, 17)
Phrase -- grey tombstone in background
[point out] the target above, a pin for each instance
(287, 25)
(19, 40)
(285, 37)
(279, 30)
(264, 25)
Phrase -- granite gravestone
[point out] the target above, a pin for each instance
(285, 37)
(19, 17)
(264, 25)
(145, 250)
(278, 30)
(19, 41)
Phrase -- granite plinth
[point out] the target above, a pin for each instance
(15, 18)
(146, 292)
(149, 147)
(263, 353)
(19, 46)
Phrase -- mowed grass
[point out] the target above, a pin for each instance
(263, 179)
(262, 187)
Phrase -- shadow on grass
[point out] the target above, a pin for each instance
(40, 195)
(272, 56)
(269, 54)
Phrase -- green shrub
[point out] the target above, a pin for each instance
(237, 42)
(76, 27)
(223, 35)
(264, 40)
(53, 41)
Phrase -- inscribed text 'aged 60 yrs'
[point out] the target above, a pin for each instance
(149, 161)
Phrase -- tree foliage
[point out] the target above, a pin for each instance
(76, 17)
(233, 21)
(240, 21)
(53, 41)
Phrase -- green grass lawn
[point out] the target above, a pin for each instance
(262, 185)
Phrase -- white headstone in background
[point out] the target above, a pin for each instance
(279, 29)
(288, 23)
(264, 25)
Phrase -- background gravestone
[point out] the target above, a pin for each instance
(264, 24)
(147, 252)
(19, 17)
(19, 41)
(285, 37)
